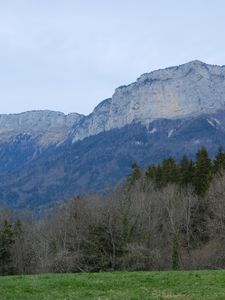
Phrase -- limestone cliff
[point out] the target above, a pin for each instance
(190, 89)
(48, 127)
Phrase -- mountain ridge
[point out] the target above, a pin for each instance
(49, 127)
(166, 93)
(162, 93)
(48, 156)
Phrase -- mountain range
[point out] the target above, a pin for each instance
(48, 156)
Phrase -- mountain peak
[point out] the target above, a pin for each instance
(196, 62)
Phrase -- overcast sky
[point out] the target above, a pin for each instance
(69, 55)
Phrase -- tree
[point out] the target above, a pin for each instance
(150, 173)
(170, 197)
(158, 176)
(203, 172)
(6, 244)
(219, 161)
(203, 176)
(186, 171)
(175, 253)
(135, 175)
(169, 171)
(19, 249)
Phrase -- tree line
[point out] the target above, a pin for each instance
(169, 216)
(198, 173)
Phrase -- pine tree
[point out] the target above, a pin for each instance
(186, 171)
(219, 161)
(150, 173)
(203, 172)
(158, 177)
(135, 175)
(169, 171)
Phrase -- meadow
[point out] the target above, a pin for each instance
(117, 285)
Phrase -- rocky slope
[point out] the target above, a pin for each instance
(101, 161)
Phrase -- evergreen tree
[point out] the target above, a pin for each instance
(158, 177)
(6, 244)
(186, 171)
(169, 171)
(150, 174)
(135, 175)
(203, 172)
(219, 161)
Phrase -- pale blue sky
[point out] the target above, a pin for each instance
(68, 55)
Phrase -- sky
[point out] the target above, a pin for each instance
(69, 55)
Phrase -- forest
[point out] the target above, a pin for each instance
(168, 216)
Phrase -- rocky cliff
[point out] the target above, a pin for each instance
(190, 89)
(48, 127)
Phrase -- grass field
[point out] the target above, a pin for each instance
(119, 285)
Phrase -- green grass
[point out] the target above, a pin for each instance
(119, 285)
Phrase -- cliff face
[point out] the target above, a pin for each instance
(48, 127)
(190, 89)
(187, 90)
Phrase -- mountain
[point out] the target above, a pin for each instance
(47, 156)
(190, 89)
